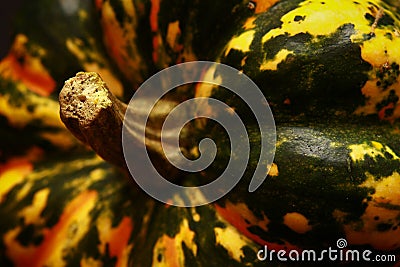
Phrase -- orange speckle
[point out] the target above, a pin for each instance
(116, 238)
(156, 45)
(21, 66)
(273, 170)
(287, 101)
(249, 24)
(120, 42)
(16, 169)
(263, 5)
(55, 239)
(168, 251)
(111, 32)
(171, 253)
(21, 163)
(12, 173)
(242, 63)
(382, 113)
(155, 8)
(119, 241)
(297, 222)
(241, 218)
(99, 4)
(56, 235)
(173, 34)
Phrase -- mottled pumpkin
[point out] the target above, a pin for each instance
(329, 70)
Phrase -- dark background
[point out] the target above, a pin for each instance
(7, 13)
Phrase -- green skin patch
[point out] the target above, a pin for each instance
(316, 71)
(322, 170)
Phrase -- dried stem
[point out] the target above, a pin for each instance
(94, 115)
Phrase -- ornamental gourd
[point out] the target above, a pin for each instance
(329, 70)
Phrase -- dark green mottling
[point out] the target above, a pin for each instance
(316, 177)
(321, 77)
